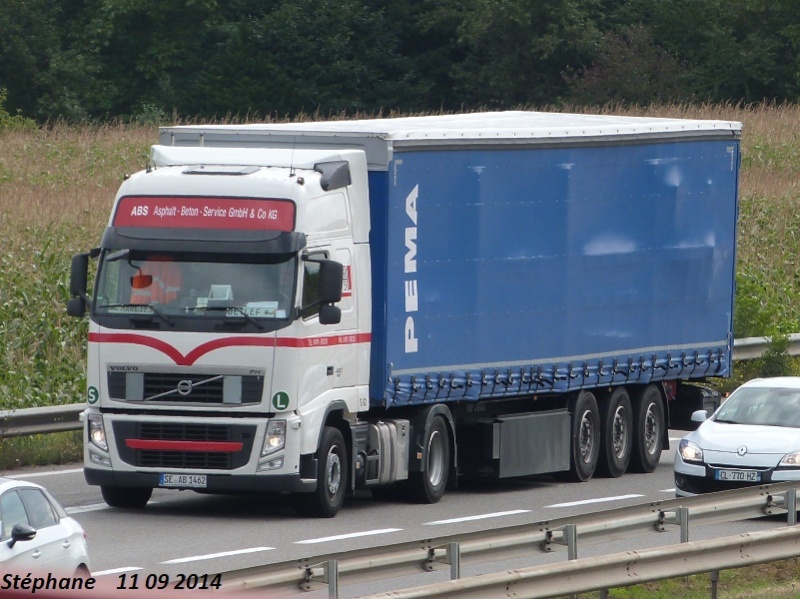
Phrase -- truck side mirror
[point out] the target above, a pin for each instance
(76, 305)
(79, 274)
(330, 281)
(329, 314)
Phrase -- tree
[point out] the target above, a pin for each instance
(628, 69)
(517, 50)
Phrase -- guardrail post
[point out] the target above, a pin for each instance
(332, 574)
(454, 557)
(714, 581)
(571, 537)
(682, 517)
(791, 507)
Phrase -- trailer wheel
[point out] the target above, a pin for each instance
(649, 430)
(616, 421)
(428, 485)
(585, 437)
(332, 462)
(126, 497)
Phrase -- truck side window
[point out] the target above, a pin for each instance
(311, 285)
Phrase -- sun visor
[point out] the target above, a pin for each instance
(205, 240)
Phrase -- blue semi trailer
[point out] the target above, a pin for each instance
(403, 303)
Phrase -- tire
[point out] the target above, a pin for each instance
(585, 437)
(616, 426)
(428, 485)
(332, 473)
(126, 497)
(649, 428)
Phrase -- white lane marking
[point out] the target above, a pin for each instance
(349, 536)
(79, 509)
(195, 558)
(672, 490)
(37, 474)
(115, 571)
(478, 517)
(598, 500)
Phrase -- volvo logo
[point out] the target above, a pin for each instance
(184, 387)
(741, 451)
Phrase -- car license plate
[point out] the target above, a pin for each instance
(746, 476)
(194, 481)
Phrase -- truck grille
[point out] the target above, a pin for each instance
(176, 431)
(184, 388)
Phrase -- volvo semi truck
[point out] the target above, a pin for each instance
(398, 304)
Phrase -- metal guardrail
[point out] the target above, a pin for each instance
(520, 541)
(55, 419)
(32, 421)
(750, 348)
(617, 570)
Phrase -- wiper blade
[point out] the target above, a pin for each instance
(238, 310)
(139, 314)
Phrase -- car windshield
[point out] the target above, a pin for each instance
(761, 405)
(195, 285)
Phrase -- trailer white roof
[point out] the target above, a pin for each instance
(479, 128)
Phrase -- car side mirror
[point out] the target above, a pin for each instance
(21, 532)
(699, 416)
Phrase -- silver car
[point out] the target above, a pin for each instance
(753, 438)
(36, 534)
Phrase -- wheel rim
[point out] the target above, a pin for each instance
(651, 430)
(333, 475)
(619, 433)
(436, 454)
(586, 437)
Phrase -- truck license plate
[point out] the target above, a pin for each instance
(195, 481)
(748, 476)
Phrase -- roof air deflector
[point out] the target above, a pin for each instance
(334, 174)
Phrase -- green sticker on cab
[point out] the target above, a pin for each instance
(280, 401)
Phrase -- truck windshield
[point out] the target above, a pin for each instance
(178, 286)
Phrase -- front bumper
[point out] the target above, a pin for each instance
(216, 483)
(697, 479)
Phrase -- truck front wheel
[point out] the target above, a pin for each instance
(126, 497)
(649, 430)
(428, 485)
(332, 462)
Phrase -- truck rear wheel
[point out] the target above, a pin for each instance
(616, 421)
(126, 497)
(585, 437)
(649, 428)
(332, 462)
(428, 485)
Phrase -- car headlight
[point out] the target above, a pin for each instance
(97, 432)
(690, 452)
(790, 460)
(276, 437)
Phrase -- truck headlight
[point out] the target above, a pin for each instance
(97, 432)
(276, 437)
(690, 452)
